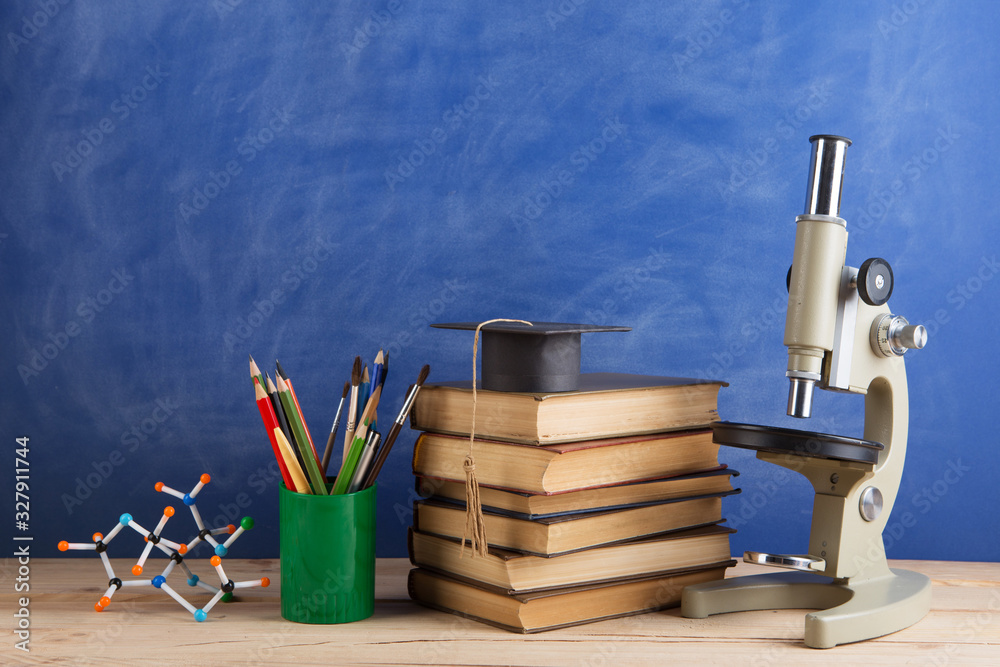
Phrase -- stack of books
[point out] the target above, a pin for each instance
(600, 502)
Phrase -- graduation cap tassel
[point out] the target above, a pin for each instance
(475, 525)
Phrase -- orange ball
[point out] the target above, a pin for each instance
(231, 528)
(98, 537)
(105, 601)
(265, 582)
(137, 570)
(206, 478)
(158, 486)
(182, 549)
(168, 511)
(98, 607)
(63, 546)
(215, 561)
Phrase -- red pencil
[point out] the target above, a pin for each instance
(271, 423)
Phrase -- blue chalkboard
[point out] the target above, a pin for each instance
(185, 184)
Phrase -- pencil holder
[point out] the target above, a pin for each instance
(327, 556)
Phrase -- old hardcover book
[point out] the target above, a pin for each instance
(570, 532)
(521, 572)
(605, 405)
(555, 607)
(534, 505)
(567, 466)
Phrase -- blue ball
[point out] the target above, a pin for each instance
(221, 551)
(158, 580)
(188, 500)
(200, 615)
(124, 519)
(193, 581)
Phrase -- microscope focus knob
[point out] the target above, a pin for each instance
(875, 281)
(892, 336)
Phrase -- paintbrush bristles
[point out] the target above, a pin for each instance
(424, 372)
(356, 372)
(347, 388)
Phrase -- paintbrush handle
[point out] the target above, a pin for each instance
(382, 455)
(333, 436)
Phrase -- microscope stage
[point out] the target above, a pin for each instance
(797, 443)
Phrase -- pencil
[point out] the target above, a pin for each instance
(377, 376)
(333, 430)
(352, 407)
(271, 424)
(279, 411)
(310, 464)
(377, 367)
(255, 371)
(301, 485)
(353, 456)
(298, 409)
(364, 391)
(411, 396)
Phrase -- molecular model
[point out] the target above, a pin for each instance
(175, 551)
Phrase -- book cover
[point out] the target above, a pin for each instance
(559, 607)
(519, 572)
(605, 405)
(568, 466)
(619, 496)
(564, 534)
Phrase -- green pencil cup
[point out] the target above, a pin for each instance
(327, 556)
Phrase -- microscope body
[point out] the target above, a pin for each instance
(840, 337)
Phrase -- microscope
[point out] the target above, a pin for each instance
(842, 337)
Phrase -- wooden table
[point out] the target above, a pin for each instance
(145, 626)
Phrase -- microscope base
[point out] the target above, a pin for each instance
(851, 610)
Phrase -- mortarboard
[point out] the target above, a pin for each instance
(544, 357)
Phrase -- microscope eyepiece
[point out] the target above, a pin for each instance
(826, 174)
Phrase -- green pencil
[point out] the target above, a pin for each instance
(343, 482)
(347, 470)
(301, 441)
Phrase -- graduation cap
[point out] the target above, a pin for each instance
(544, 357)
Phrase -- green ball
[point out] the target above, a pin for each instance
(246, 523)
(228, 597)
